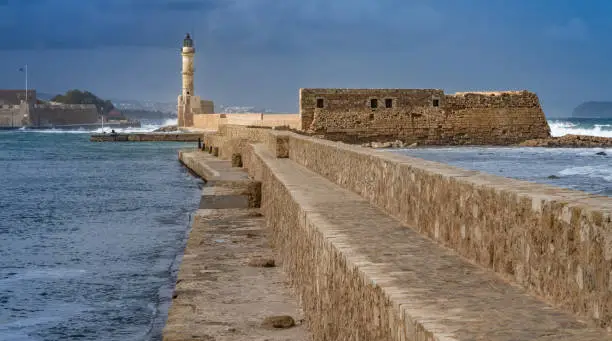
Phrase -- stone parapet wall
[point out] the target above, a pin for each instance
(425, 116)
(46, 115)
(556, 243)
(339, 300)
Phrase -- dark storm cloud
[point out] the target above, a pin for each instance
(232, 24)
(559, 49)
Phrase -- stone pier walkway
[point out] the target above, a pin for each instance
(360, 274)
(230, 286)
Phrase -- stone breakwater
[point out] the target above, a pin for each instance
(147, 137)
(230, 285)
(379, 246)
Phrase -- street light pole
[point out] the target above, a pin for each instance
(26, 74)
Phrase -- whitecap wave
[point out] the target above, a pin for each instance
(145, 127)
(601, 172)
(560, 128)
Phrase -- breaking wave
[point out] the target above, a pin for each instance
(602, 172)
(593, 128)
(146, 126)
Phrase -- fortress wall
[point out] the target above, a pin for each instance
(554, 242)
(206, 121)
(214, 121)
(488, 117)
(10, 116)
(426, 116)
(63, 115)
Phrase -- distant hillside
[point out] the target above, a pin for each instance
(593, 109)
(84, 97)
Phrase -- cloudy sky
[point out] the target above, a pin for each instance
(260, 52)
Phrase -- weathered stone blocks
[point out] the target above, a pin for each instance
(424, 116)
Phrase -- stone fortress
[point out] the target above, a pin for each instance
(16, 112)
(426, 116)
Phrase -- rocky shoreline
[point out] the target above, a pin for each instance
(570, 141)
(167, 129)
(566, 141)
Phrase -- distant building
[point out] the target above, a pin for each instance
(14, 112)
(14, 97)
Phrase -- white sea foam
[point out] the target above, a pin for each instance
(602, 172)
(146, 127)
(560, 128)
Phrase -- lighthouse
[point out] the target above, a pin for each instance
(185, 100)
(188, 103)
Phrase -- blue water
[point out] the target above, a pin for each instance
(89, 236)
(579, 169)
(574, 168)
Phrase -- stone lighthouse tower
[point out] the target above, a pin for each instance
(185, 107)
(188, 103)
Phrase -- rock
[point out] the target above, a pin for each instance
(278, 322)
(398, 144)
(583, 141)
(378, 145)
(236, 160)
(601, 153)
(367, 145)
(553, 177)
(414, 145)
(262, 263)
(166, 129)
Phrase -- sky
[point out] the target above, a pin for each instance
(260, 52)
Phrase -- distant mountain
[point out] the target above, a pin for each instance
(593, 109)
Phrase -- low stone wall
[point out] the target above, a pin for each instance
(556, 243)
(215, 121)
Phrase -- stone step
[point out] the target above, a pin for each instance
(226, 186)
(242, 194)
(362, 275)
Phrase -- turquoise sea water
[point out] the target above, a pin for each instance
(89, 236)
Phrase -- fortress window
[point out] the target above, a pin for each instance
(388, 103)
(320, 103)
(373, 103)
(436, 102)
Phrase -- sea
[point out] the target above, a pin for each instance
(91, 234)
(583, 169)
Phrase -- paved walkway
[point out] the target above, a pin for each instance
(226, 287)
